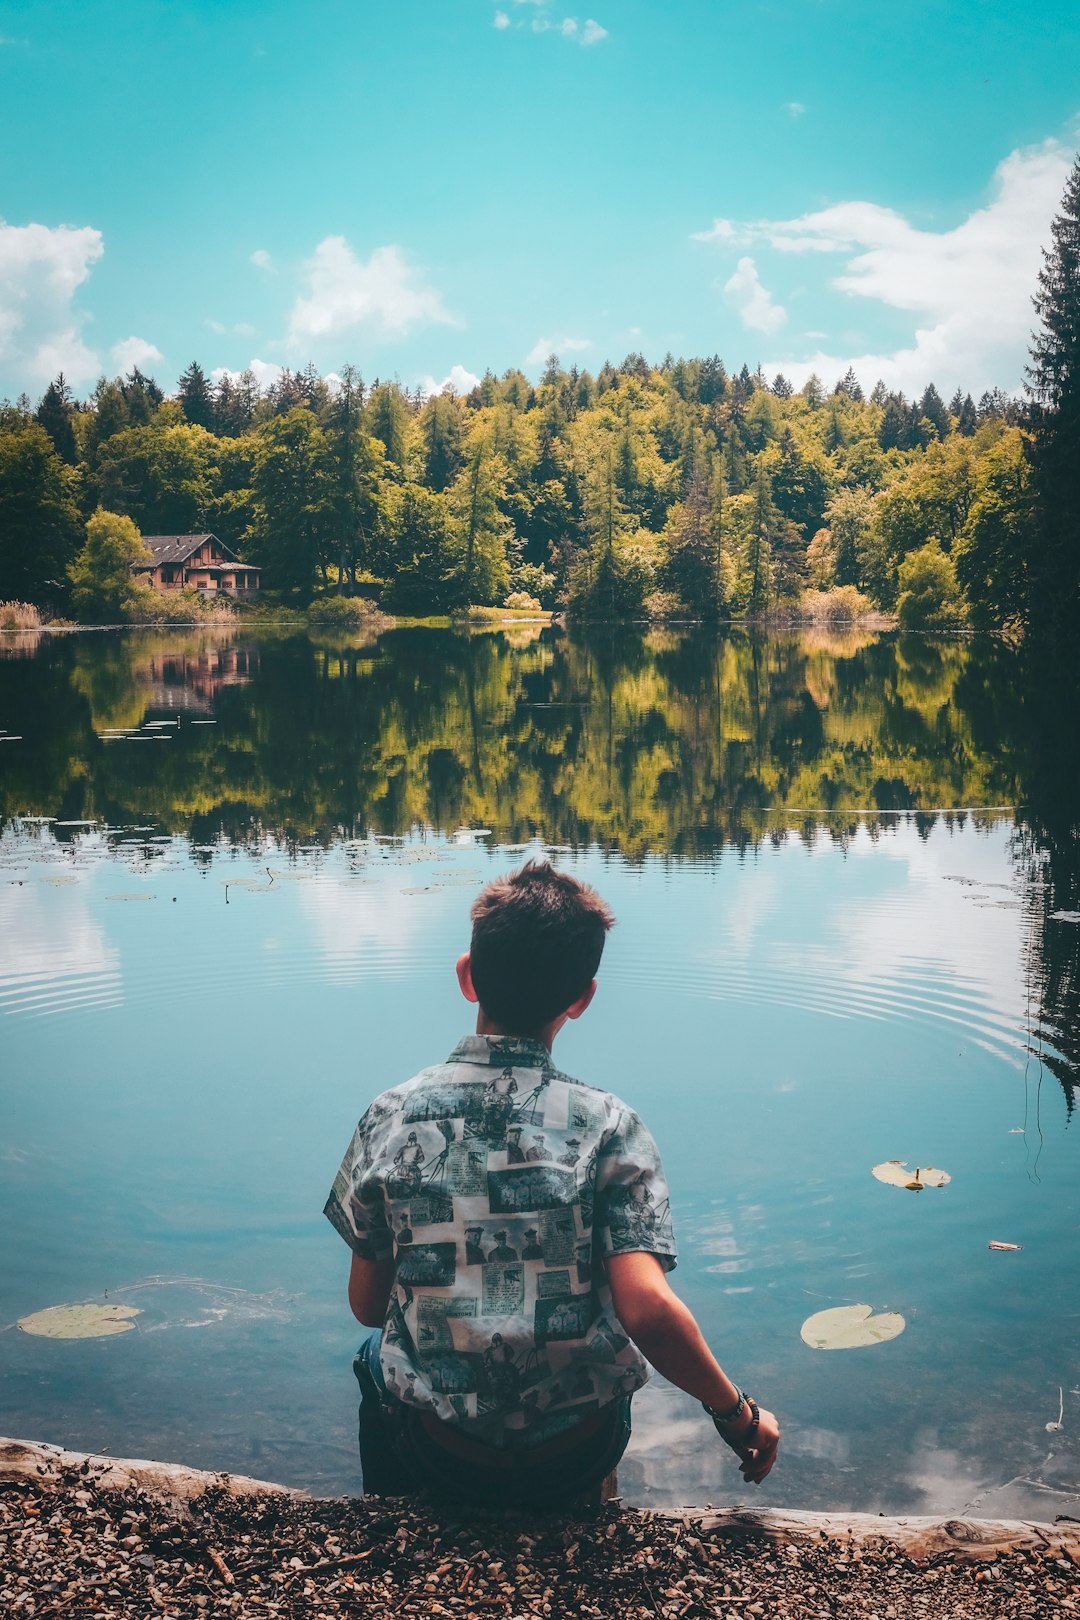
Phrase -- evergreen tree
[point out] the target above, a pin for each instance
(1054, 374)
(849, 386)
(388, 421)
(292, 484)
(141, 395)
(440, 426)
(932, 409)
(765, 526)
(235, 400)
(691, 566)
(967, 418)
(108, 415)
(195, 396)
(356, 462)
(781, 387)
(56, 413)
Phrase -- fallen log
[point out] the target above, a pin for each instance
(919, 1538)
(51, 1466)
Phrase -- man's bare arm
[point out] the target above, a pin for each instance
(666, 1333)
(370, 1282)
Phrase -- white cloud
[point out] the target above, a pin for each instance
(384, 292)
(969, 287)
(753, 301)
(262, 259)
(457, 378)
(41, 269)
(544, 22)
(135, 351)
(264, 372)
(543, 346)
(215, 326)
(794, 109)
(721, 230)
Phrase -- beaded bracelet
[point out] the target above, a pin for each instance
(723, 1418)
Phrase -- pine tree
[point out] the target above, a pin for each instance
(196, 399)
(932, 408)
(1054, 555)
(56, 414)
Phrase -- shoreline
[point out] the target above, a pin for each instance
(116, 1537)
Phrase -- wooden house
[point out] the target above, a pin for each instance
(198, 562)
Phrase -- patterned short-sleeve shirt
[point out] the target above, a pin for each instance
(499, 1185)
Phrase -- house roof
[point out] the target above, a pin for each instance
(177, 548)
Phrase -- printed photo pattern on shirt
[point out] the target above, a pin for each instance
(498, 1185)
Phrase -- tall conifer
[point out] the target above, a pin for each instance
(1054, 373)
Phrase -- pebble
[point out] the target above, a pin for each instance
(99, 1554)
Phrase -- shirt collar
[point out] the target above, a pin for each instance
(502, 1051)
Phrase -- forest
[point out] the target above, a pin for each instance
(643, 491)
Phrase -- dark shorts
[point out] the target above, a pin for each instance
(401, 1453)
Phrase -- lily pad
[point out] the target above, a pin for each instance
(895, 1173)
(848, 1327)
(80, 1321)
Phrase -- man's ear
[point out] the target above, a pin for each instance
(582, 1002)
(464, 978)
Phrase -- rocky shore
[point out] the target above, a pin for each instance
(86, 1537)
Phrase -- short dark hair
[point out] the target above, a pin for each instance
(537, 938)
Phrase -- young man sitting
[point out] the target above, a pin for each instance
(519, 1316)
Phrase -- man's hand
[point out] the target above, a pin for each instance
(755, 1460)
(665, 1332)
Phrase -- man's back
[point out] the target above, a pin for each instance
(500, 1319)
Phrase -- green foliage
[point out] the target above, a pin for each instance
(292, 486)
(929, 596)
(340, 612)
(736, 494)
(612, 583)
(147, 606)
(160, 474)
(426, 554)
(536, 582)
(39, 520)
(102, 583)
(991, 556)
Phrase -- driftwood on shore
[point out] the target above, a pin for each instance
(919, 1538)
(51, 1466)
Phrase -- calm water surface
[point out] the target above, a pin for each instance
(234, 876)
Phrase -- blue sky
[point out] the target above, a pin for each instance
(428, 189)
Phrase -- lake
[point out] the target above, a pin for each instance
(235, 872)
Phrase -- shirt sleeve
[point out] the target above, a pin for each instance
(356, 1206)
(632, 1210)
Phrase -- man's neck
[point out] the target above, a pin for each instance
(486, 1026)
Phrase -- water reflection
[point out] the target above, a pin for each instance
(823, 887)
(667, 741)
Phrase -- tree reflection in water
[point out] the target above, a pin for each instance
(672, 741)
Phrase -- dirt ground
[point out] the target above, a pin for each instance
(82, 1549)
